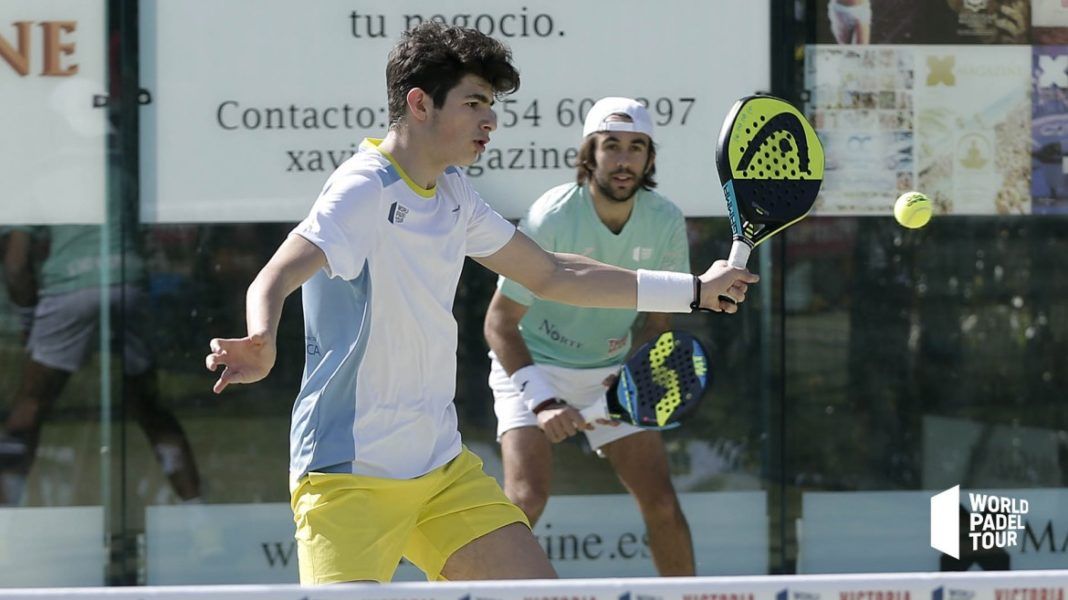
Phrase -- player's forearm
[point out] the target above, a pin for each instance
(653, 324)
(502, 334)
(507, 344)
(266, 296)
(582, 281)
(263, 304)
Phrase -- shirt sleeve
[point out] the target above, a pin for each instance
(676, 250)
(343, 223)
(487, 230)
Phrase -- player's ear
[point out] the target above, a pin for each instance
(651, 161)
(418, 103)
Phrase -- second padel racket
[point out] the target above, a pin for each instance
(659, 385)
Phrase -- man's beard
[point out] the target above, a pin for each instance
(605, 187)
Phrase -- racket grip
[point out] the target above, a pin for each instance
(739, 256)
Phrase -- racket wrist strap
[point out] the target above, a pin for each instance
(695, 306)
(533, 386)
(546, 404)
(665, 291)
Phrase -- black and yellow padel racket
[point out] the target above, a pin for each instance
(661, 384)
(771, 165)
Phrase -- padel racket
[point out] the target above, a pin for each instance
(771, 166)
(661, 384)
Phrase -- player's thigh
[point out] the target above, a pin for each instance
(640, 460)
(510, 552)
(528, 459)
(466, 505)
(352, 528)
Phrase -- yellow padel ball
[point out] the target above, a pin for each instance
(912, 210)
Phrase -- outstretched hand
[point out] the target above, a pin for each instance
(246, 360)
(721, 279)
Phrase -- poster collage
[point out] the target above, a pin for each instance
(964, 100)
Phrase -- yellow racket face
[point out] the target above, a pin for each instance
(772, 141)
(770, 162)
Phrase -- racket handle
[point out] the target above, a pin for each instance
(739, 256)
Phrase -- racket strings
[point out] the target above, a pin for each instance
(775, 165)
(675, 378)
(775, 131)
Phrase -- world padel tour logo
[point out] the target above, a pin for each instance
(993, 522)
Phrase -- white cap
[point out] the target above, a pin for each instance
(598, 117)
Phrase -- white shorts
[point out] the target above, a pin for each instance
(578, 387)
(66, 328)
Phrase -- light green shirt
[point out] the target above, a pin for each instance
(564, 220)
(74, 260)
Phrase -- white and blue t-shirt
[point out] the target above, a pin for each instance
(380, 372)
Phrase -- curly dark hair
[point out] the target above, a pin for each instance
(434, 58)
(587, 161)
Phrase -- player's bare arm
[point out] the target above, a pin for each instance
(581, 281)
(501, 328)
(652, 325)
(250, 359)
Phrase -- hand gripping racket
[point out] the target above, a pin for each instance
(661, 384)
(771, 165)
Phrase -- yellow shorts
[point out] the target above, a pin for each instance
(357, 528)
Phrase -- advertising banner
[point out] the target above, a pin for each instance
(972, 128)
(52, 546)
(254, 107)
(890, 531)
(53, 73)
(1049, 130)
(584, 536)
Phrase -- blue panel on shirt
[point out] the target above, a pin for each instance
(336, 328)
(389, 176)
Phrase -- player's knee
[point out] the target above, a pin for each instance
(660, 506)
(529, 499)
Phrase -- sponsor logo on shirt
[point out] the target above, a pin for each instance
(641, 253)
(397, 212)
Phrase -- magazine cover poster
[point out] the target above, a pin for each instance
(1049, 22)
(860, 102)
(1049, 130)
(924, 21)
(973, 123)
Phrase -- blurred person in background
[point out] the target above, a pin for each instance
(54, 274)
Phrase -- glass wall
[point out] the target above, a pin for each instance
(872, 367)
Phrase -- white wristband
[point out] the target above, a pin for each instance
(665, 291)
(532, 385)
